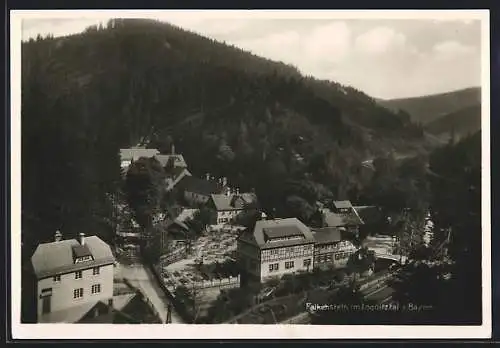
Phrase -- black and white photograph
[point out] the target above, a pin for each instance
(250, 174)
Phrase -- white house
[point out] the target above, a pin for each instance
(197, 191)
(128, 156)
(330, 249)
(230, 205)
(274, 248)
(72, 277)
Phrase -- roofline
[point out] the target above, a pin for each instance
(327, 241)
(73, 268)
(295, 243)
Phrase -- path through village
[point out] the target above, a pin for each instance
(141, 277)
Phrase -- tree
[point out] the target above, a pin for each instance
(299, 208)
(144, 188)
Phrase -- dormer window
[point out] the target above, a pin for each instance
(83, 259)
(81, 253)
(279, 234)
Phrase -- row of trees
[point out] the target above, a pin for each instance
(455, 200)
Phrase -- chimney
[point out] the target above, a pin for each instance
(173, 149)
(58, 236)
(207, 176)
(224, 181)
(81, 238)
(237, 191)
(228, 191)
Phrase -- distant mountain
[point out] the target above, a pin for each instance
(459, 123)
(426, 109)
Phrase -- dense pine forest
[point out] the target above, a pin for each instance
(262, 124)
(229, 112)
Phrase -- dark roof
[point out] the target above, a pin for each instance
(81, 251)
(342, 204)
(200, 186)
(281, 232)
(279, 228)
(327, 235)
(176, 171)
(57, 257)
(369, 214)
(224, 202)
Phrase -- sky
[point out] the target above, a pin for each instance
(385, 58)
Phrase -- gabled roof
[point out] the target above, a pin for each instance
(266, 230)
(81, 251)
(224, 202)
(54, 258)
(71, 314)
(200, 186)
(327, 235)
(342, 204)
(179, 161)
(369, 214)
(133, 154)
(176, 171)
(333, 219)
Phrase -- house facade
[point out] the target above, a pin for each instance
(330, 249)
(342, 215)
(72, 277)
(228, 206)
(197, 191)
(274, 248)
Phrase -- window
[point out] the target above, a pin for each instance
(78, 293)
(96, 288)
(307, 262)
(289, 264)
(78, 274)
(96, 270)
(57, 278)
(46, 292)
(83, 259)
(274, 267)
(274, 251)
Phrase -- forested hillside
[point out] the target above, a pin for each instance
(258, 122)
(428, 108)
(457, 124)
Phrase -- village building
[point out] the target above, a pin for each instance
(129, 156)
(197, 191)
(173, 234)
(331, 250)
(74, 279)
(173, 159)
(228, 206)
(374, 220)
(174, 177)
(342, 215)
(274, 248)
